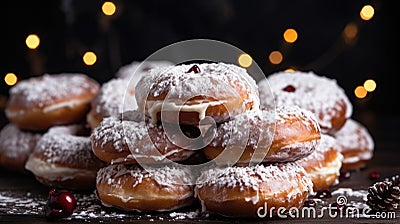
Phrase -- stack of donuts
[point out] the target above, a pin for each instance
(210, 113)
(46, 134)
(158, 137)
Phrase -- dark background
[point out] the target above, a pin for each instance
(68, 28)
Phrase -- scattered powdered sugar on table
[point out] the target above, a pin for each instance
(11, 203)
(185, 215)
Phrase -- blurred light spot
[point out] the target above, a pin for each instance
(275, 57)
(350, 32)
(32, 41)
(109, 8)
(290, 35)
(290, 70)
(360, 92)
(89, 58)
(370, 85)
(10, 79)
(245, 60)
(367, 12)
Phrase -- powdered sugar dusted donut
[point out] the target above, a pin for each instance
(16, 146)
(287, 134)
(154, 189)
(41, 102)
(128, 139)
(323, 165)
(63, 158)
(114, 97)
(195, 91)
(357, 145)
(136, 69)
(242, 191)
(319, 94)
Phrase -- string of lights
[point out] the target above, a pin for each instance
(350, 32)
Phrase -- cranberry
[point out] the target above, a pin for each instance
(374, 175)
(194, 69)
(323, 194)
(344, 175)
(60, 204)
(309, 203)
(289, 88)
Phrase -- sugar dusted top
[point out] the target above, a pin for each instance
(354, 135)
(217, 80)
(318, 94)
(47, 89)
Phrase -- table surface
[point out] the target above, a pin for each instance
(22, 198)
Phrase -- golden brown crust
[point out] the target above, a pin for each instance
(282, 185)
(135, 190)
(294, 137)
(324, 164)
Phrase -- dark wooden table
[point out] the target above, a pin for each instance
(22, 198)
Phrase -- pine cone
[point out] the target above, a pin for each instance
(395, 180)
(383, 196)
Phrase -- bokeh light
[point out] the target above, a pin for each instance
(370, 85)
(290, 70)
(245, 60)
(360, 92)
(32, 41)
(367, 12)
(350, 32)
(10, 79)
(89, 58)
(275, 57)
(108, 8)
(290, 35)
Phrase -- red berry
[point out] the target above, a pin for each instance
(194, 69)
(289, 88)
(374, 175)
(60, 204)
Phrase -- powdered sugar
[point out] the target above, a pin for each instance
(136, 69)
(15, 143)
(47, 89)
(164, 175)
(354, 136)
(319, 94)
(279, 177)
(181, 85)
(60, 145)
(114, 96)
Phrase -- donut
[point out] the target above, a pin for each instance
(286, 134)
(319, 94)
(357, 145)
(129, 138)
(252, 190)
(114, 97)
(41, 102)
(63, 158)
(323, 165)
(136, 69)
(132, 188)
(189, 93)
(16, 146)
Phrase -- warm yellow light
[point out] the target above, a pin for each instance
(275, 57)
(89, 58)
(360, 92)
(370, 85)
(10, 79)
(290, 70)
(290, 35)
(367, 12)
(350, 31)
(32, 41)
(245, 60)
(108, 8)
